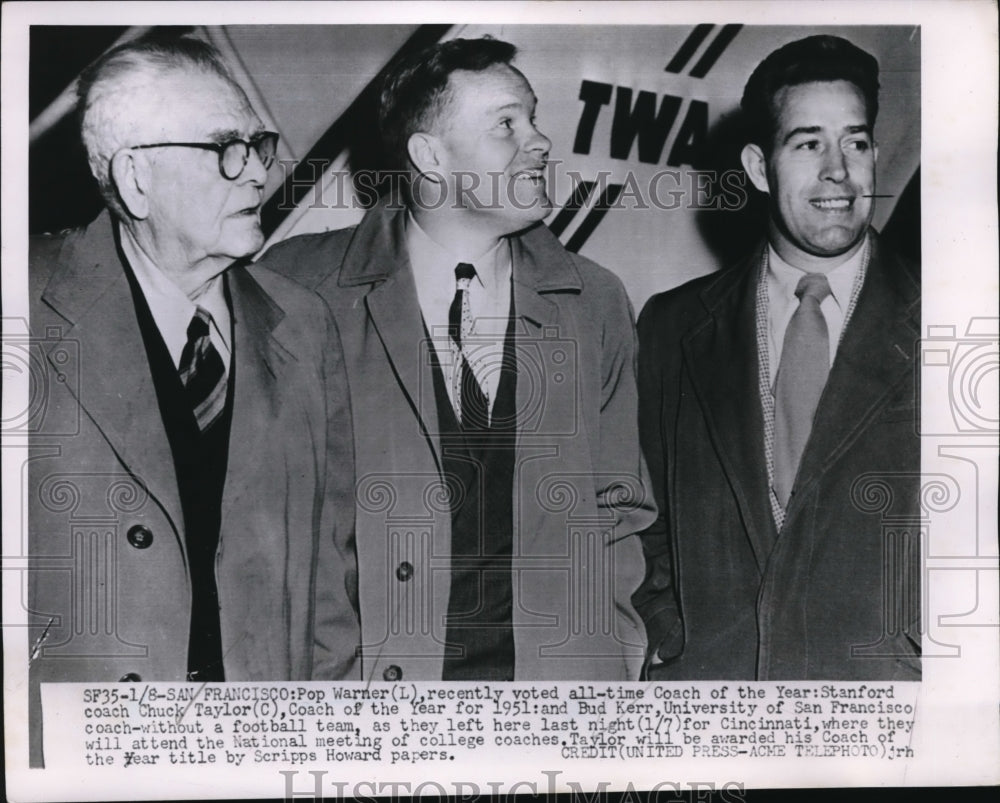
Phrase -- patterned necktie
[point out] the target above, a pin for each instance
(470, 402)
(802, 374)
(202, 371)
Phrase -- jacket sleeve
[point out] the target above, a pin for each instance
(622, 481)
(623, 487)
(337, 634)
(655, 599)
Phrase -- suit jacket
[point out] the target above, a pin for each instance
(578, 495)
(835, 593)
(109, 592)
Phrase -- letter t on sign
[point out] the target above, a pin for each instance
(594, 95)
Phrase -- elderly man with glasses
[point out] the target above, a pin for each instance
(190, 483)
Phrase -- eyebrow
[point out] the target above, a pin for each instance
(815, 129)
(229, 134)
(515, 104)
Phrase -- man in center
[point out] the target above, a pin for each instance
(500, 482)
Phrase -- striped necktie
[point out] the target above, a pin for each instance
(470, 402)
(202, 371)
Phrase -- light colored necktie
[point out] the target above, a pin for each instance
(202, 371)
(802, 374)
(471, 405)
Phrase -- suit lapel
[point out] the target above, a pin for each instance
(377, 256)
(875, 355)
(540, 265)
(721, 358)
(257, 358)
(89, 289)
(395, 313)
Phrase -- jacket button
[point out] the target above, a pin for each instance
(140, 536)
(404, 571)
(392, 672)
(130, 677)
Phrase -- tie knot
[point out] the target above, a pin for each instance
(814, 286)
(199, 326)
(464, 272)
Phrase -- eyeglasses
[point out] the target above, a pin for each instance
(233, 153)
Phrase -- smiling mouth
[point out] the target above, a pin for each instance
(833, 204)
(536, 175)
(250, 211)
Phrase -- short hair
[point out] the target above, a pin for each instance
(815, 58)
(103, 88)
(415, 90)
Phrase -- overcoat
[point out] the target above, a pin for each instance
(579, 494)
(109, 596)
(833, 594)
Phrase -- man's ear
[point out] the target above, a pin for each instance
(756, 166)
(423, 151)
(130, 180)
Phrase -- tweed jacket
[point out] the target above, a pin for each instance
(833, 593)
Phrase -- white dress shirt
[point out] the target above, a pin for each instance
(171, 308)
(782, 279)
(433, 268)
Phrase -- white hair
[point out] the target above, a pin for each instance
(114, 85)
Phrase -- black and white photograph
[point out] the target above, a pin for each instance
(449, 399)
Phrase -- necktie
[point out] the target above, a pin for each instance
(202, 371)
(805, 364)
(470, 402)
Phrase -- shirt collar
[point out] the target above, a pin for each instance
(170, 307)
(427, 256)
(786, 277)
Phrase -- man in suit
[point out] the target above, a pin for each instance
(190, 499)
(500, 479)
(777, 411)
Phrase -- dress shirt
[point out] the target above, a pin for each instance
(172, 309)
(782, 279)
(433, 268)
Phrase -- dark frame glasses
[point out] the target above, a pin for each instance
(233, 154)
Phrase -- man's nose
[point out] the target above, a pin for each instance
(538, 142)
(254, 171)
(834, 165)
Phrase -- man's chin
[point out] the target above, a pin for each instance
(827, 238)
(536, 209)
(837, 244)
(246, 242)
(526, 218)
